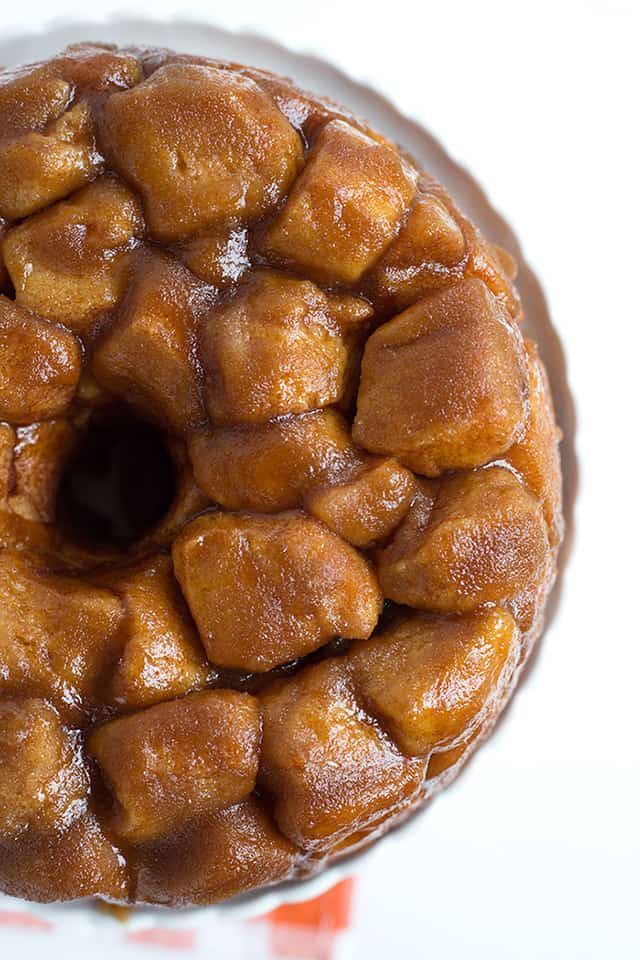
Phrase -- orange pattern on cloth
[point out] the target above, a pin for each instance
(309, 930)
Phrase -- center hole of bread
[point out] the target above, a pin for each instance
(118, 484)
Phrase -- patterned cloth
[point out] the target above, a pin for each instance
(316, 929)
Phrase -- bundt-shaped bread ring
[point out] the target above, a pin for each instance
(279, 480)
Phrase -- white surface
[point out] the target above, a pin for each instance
(534, 852)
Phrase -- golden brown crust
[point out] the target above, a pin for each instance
(280, 346)
(40, 366)
(202, 145)
(215, 858)
(353, 560)
(198, 754)
(158, 321)
(443, 385)
(267, 590)
(331, 768)
(71, 262)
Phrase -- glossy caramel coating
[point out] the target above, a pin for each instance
(42, 781)
(40, 366)
(66, 864)
(42, 167)
(41, 452)
(337, 242)
(27, 473)
(21, 533)
(157, 321)
(58, 636)
(202, 145)
(436, 246)
(188, 502)
(482, 541)
(71, 262)
(330, 768)
(162, 657)
(266, 590)
(30, 98)
(536, 456)
(215, 857)
(366, 506)
(5, 282)
(269, 467)
(353, 453)
(199, 753)
(7, 443)
(429, 678)
(443, 385)
(219, 255)
(429, 249)
(279, 346)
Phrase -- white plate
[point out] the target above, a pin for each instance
(313, 74)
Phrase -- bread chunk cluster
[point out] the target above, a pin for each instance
(353, 563)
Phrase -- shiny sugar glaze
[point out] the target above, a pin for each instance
(279, 482)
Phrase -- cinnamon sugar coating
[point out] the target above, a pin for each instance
(299, 367)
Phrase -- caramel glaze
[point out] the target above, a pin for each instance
(330, 613)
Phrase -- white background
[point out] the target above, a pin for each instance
(535, 852)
